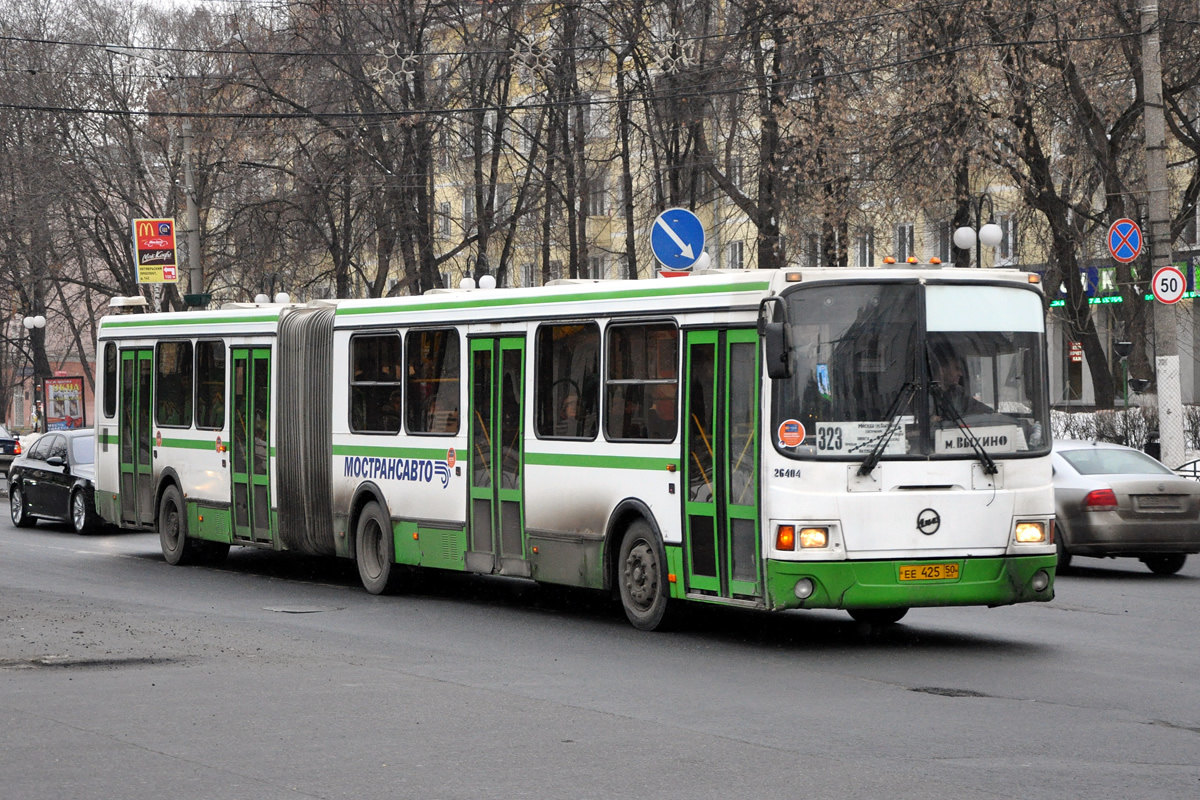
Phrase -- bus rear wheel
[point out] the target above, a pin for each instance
(642, 578)
(177, 548)
(375, 551)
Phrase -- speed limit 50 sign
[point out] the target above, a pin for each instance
(1169, 285)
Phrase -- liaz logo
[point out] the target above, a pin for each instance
(419, 470)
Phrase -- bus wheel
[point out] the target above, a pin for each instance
(878, 616)
(172, 529)
(642, 577)
(375, 551)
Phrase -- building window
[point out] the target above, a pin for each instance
(567, 381)
(1006, 253)
(375, 383)
(597, 266)
(812, 250)
(733, 255)
(468, 208)
(942, 246)
(597, 201)
(173, 384)
(433, 381)
(904, 242)
(444, 220)
(864, 248)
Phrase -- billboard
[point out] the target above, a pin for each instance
(154, 246)
(64, 407)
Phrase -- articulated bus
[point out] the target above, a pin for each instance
(871, 439)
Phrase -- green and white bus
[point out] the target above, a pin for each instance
(870, 439)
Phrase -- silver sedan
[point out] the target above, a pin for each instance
(1114, 501)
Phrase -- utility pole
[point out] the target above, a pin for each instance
(195, 295)
(1166, 362)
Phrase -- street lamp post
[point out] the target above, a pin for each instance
(989, 234)
(195, 270)
(31, 324)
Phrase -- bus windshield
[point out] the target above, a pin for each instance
(911, 370)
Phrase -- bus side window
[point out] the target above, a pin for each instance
(567, 381)
(433, 385)
(210, 385)
(110, 379)
(375, 383)
(641, 384)
(173, 384)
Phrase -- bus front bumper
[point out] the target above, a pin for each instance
(910, 583)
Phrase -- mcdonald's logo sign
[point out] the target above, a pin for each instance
(155, 254)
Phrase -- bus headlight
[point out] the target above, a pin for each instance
(1031, 532)
(804, 588)
(814, 537)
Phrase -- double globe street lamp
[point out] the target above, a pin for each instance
(35, 323)
(990, 234)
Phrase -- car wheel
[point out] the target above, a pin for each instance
(16, 507)
(83, 518)
(172, 529)
(1165, 565)
(642, 579)
(1064, 558)
(878, 616)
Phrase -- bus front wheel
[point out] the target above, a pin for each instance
(375, 551)
(878, 616)
(642, 578)
(177, 549)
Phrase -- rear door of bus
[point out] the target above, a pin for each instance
(135, 403)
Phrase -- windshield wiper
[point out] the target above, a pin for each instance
(947, 409)
(876, 453)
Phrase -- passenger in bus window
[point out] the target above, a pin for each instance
(391, 412)
(661, 421)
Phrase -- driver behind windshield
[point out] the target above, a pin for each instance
(949, 374)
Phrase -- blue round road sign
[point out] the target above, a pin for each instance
(677, 239)
(1125, 240)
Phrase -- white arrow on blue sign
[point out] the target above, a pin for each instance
(677, 238)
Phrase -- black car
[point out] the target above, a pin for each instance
(10, 448)
(54, 479)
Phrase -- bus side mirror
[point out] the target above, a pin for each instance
(775, 336)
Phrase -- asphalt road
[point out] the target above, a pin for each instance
(277, 677)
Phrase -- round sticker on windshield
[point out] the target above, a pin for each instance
(791, 433)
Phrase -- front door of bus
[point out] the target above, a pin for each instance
(250, 431)
(497, 520)
(721, 469)
(137, 479)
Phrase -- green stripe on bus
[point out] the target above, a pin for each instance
(495, 301)
(390, 452)
(183, 319)
(189, 444)
(607, 462)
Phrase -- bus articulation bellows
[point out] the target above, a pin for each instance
(863, 439)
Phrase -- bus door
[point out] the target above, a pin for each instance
(721, 471)
(497, 520)
(137, 478)
(250, 432)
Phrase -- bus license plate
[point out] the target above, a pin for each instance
(928, 572)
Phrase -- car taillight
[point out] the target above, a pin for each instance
(17, 449)
(1100, 500)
